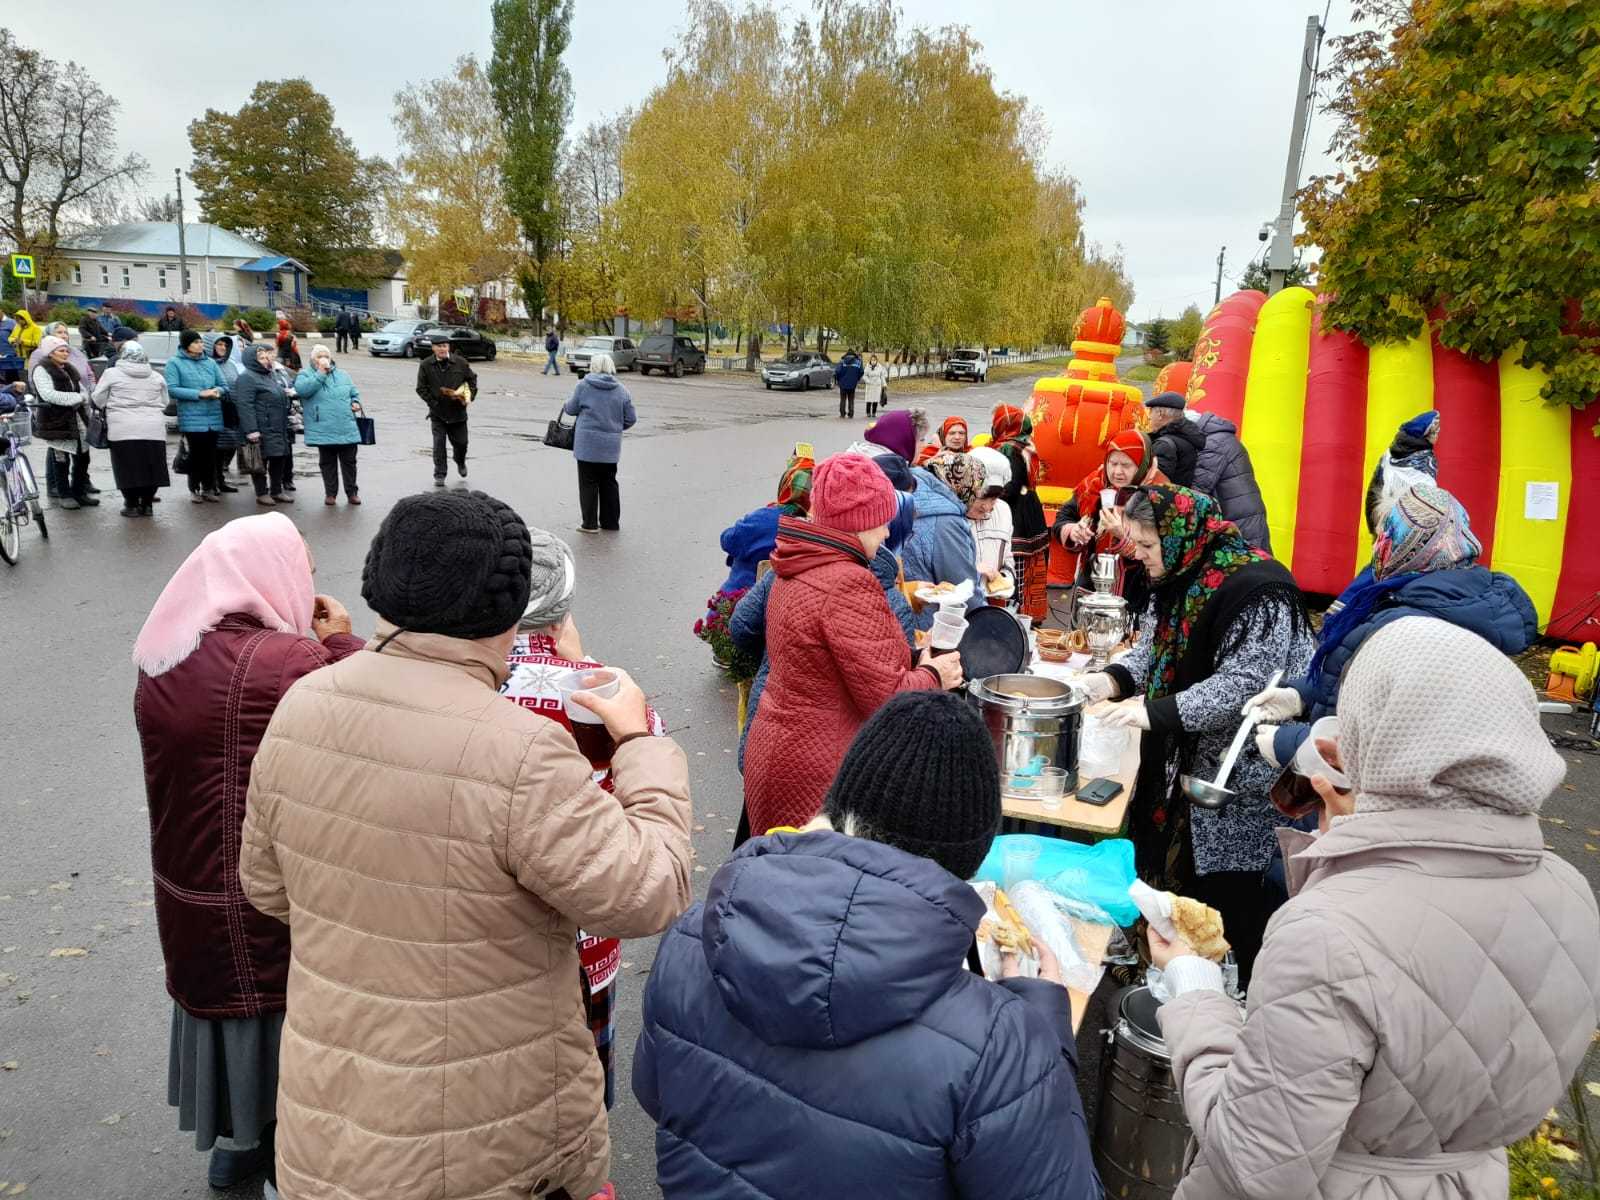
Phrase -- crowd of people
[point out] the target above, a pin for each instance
(393, 872)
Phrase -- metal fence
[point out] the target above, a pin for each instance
(917, 370)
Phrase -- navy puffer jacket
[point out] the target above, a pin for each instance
(811, 1030)
(1223, 470)
(1476, 599)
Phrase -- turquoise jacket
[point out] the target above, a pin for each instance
(186, 379)
(325, 400)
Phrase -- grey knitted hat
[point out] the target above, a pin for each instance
(1431, 716)
(555, 579)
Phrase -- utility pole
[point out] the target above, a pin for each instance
(183, 256)
(1280, 256)
(1216, 296)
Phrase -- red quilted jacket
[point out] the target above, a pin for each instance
(836, 654)
(200, 725)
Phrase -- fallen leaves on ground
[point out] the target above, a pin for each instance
(113, 1119)
(10, 1064)
(68, 952)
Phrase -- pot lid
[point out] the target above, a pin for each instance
(995, 643)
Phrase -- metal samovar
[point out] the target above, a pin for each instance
(1102, 615)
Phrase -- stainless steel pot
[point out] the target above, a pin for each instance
(1141, 1134)
(1028, 716)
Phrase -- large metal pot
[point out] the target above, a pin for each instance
(1028, 716)
(1141, 1135)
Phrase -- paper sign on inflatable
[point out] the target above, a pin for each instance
(1317, 408)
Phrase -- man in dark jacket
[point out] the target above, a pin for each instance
(812, 1028)
(341, 330)
(447, 385)
(1223, 470)
(846, 375)
(552, 348)
(170, 322)
(92, 333)
(1177, 442)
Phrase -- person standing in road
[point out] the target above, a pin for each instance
(263, 407)
(195, 382)
(235, 626)
(845, 376)
(447, 384)
(1223, 470)
(93, 335)
(341, 330)
(552, 348)
(604, 409)
(331, 402)
(874, 380)
(229, 440)
(135, 401)
(433, 849)
(60, 422)
(1176, 440)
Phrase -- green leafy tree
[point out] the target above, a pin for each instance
(1158, 334)
(1472, 181)
(533, 94)
(1185, 331)
(1257, 278)
(279, 170)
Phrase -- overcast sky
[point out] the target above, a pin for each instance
(1174, 115)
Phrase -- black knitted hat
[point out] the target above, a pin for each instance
(454, 563)
(921, 776)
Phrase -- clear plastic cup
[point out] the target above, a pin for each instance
(574, 681)
(947, 637)
(1020, 859)
(1308, 760)
(1108, 497)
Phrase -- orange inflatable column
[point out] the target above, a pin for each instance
(1466, 394)
(1331, 482)
(1222, 357)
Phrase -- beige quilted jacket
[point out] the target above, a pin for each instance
(1420, 1002)
(434, 848)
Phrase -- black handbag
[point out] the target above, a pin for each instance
(97, 436)
(180, 460)
(251, 460)
(559, 435)
(366, 427)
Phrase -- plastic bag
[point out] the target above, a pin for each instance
(1101, 748)
(1097, 875)
(1039, 910)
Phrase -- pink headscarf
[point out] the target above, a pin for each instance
(255, 565)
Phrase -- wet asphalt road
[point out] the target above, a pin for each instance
(83, 1112)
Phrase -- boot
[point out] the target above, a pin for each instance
(85, 500)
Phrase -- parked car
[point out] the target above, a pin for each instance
(395, 339)
(803, 369)
(468, 343)
(669, 352)
(622, 350)
(967, 363)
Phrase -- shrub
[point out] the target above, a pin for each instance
(325, 325)
(137, 322)
(66, 311)
(190, 316)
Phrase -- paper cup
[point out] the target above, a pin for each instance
(1108, 497)
(573, 681)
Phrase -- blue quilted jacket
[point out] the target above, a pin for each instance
(941, 548)
(1476, 599)
(811, 1030)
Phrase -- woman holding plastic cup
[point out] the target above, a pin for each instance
(1091, 522)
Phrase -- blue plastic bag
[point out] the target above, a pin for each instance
(1099, 874)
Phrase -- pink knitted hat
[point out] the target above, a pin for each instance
(849, 493)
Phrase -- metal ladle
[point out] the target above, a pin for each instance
(1214, 794)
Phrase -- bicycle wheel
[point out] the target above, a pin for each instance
(10, 535)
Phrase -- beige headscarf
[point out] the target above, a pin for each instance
(1431, 716)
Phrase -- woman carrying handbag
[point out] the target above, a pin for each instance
(603, 410)
(330, 404)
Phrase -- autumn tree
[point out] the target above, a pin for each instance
(533, 98)
(281, 171)
(1257, 278)
(455, 226)
(585, 271)
(1471, 181)
(1185, 331)
(58, 149)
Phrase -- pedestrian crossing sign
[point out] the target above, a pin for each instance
(22, 266)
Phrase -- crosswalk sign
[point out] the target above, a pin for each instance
(22, 266)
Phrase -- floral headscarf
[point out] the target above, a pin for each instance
(961, 473)
(1199, 550)
(794, 489)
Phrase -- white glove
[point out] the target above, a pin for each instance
(1264, 736)
(1275, 704)
(1130, 714)
(1097, 686)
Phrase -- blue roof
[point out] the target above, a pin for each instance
(268, 263)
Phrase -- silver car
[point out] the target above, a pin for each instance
(803, 369)
(396, 337)
(622, 350)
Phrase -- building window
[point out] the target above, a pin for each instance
(105, 275)
(188, 281)
(77, 273)
(161, 278)
(127, 278)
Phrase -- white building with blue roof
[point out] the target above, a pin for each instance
(138, 262)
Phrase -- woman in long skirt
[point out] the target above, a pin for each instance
(135, 400)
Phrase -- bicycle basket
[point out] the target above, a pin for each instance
(17, 427)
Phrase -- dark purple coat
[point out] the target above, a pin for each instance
(200, 725)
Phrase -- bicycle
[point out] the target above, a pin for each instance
(21, 489)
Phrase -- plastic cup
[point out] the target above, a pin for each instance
(1108, 497)
(1308, 760)
(1020, 860)
(573, 681)
(946, 638)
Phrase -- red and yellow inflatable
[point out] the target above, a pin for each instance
(1316, 409)
(1076, 413)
